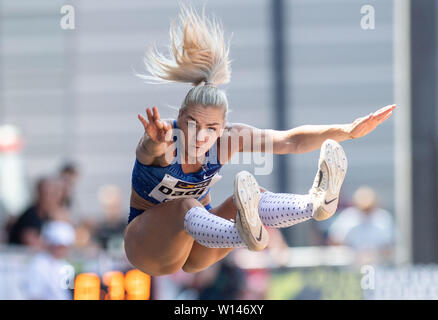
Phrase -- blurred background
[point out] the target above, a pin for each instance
(69, 100)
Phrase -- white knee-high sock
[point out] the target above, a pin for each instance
(210, 230)
(282, 210)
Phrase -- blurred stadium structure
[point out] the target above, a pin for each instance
(72, 94)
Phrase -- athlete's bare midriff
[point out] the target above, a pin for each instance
(140, 203)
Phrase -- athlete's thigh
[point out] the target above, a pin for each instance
(226, 209)
(156, 242)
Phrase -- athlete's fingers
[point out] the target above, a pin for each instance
(143, 121)
(386, 117)
(149, 114)
(385, 114)
(167, 126)
(388, 107)
(383, 111)
(382, 114)
(383, 117)
(168, 132)
(156, 113)
(391, 107)
(159, 124)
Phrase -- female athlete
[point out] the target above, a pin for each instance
(171, 224)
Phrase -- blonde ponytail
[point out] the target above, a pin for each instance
(198, 53)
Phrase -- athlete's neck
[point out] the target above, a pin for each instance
(188, 159)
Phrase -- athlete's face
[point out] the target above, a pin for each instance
(202, 125)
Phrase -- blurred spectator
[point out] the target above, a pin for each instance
(277, 247)
(49, 276)
(319, 230)
(255, 281)
(109, 234)
(176, 286)
(223, 281)
(365, 227)
(69, 175)
(46, 206)
(256, 284)
(85, 243)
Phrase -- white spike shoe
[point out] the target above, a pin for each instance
(246, 198)
(332, 167)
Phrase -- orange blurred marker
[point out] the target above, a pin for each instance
(138, 285)
(115, 281)
(87, 287)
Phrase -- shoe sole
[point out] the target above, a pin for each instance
(246, 199)
(332, 155)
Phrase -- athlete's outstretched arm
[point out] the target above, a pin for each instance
(311, 137)
(305, 138)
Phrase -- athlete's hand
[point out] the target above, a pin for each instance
(364, 125)
(158, 131)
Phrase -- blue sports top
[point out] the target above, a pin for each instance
(160, 184)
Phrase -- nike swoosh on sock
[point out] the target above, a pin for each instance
(259, 238)
(328, 202)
